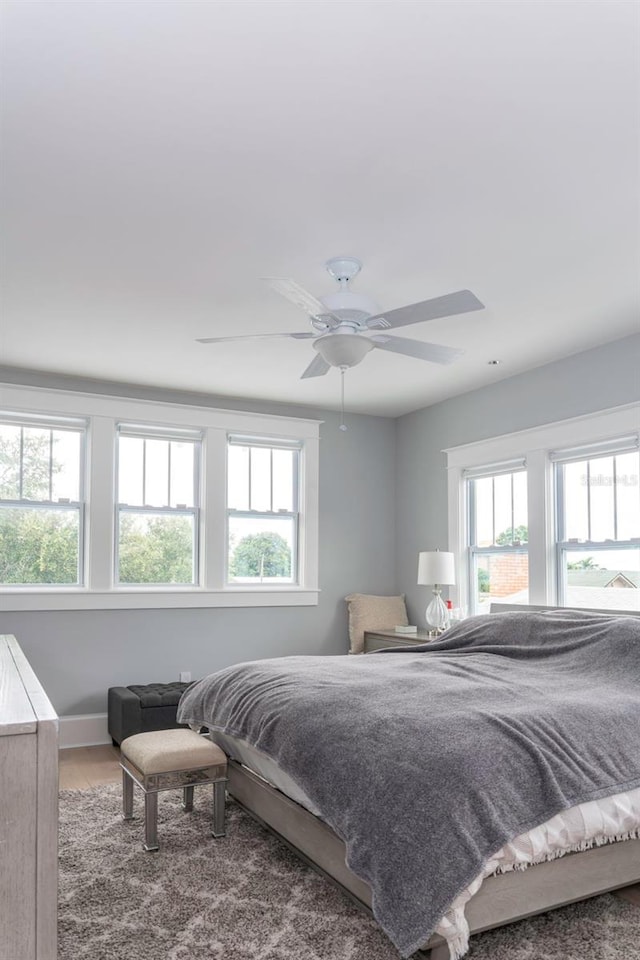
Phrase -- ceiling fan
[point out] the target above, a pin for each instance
(345, 323)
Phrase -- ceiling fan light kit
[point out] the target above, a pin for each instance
(343, 349)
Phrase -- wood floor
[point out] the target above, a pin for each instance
(84, 767)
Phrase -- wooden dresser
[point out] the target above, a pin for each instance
(28, 811)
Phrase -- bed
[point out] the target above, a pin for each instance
(500, 899)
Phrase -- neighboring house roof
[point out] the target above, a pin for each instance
(603, 598)
(598, 598)
(603, 578)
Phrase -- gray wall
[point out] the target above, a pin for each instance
(607, 376)
(365, 545)
(77, 655)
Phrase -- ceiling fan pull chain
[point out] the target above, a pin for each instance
(343, 425)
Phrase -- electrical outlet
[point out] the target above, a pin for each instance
(185, 676)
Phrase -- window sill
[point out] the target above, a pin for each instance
(155, 598)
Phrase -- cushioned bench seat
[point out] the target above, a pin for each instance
(165, 760)
(141, 708)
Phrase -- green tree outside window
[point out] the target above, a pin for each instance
(513, 535)
(36, 545)
(261, 555)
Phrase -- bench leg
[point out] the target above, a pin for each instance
(187, 799)
(127, 796)
(151, 822)
(219, 797)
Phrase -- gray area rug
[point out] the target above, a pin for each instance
(247, 897)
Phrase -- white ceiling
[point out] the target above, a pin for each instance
(161, 157)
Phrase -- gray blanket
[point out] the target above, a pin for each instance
(429, 759)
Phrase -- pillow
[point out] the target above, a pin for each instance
(373, 613)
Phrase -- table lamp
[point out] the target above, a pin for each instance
(438, 568)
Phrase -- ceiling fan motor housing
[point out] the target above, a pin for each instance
(349, 306)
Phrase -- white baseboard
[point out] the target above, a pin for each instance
(84, 730)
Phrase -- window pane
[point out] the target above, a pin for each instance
(156, 548)
(39, 464)
(156, 474)
(36, 469)
(130, 456)
(482, 490)
(65, 476)
(284, 464)
(261, 550)
(520, 508)
(9, 462)
(503, 504)
(601, 499)
(503, 578)
(576, 501)
(604, 579)
(600, 504)
(39, 545)
(260, 478)
(628, 495)
(182, 474)
(238, 477)
(499, 505)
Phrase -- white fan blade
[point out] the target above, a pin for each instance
(258, 336)
(317, 368)
(452, 303)
(292, 291)
(416, 348)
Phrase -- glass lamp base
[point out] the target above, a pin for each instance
(437, 614)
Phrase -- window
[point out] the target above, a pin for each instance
(598, 526)
(262, 511)
(157, 539)
(119, 503)
(560, 504)
(41, 502)
(498, 537)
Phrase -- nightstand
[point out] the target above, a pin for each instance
(378, 639)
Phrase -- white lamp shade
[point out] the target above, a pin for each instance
(436, 567)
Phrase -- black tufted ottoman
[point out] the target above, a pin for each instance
(144, 707)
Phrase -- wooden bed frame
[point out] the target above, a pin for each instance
(503, 898)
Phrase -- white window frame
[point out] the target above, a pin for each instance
(474, 552)
(75, 425)
(142, 432)
(271, 443)
(535, 446)
(588, 453)
(103, 414)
